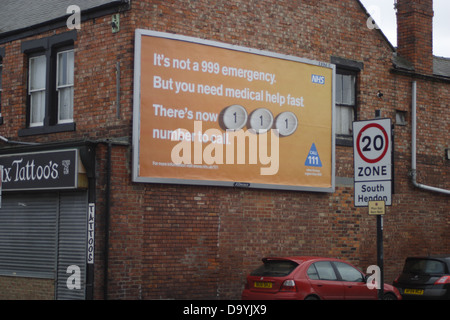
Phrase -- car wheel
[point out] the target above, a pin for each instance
(389, 296)
(312, 298)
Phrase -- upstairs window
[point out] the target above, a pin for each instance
(37, 89)
(51, 65)
(64, 86)
(345, 102)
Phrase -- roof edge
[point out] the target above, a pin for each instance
(87, 14)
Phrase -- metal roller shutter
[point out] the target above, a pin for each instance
(28, 235)
(72, 239)
(41, 235)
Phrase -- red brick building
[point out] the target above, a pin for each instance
(74, 224)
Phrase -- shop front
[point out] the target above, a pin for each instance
(45, 210)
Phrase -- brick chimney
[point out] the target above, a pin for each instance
(415, 33)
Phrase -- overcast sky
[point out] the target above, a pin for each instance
(383, 13)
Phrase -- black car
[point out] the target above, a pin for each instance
(425, 278)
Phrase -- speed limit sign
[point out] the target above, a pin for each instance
(372, 143)
(372, 161)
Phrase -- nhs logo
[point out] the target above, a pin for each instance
(317, 79)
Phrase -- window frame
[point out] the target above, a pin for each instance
(348, 66)
(65, 86)
(50, 47)
(351, 106)
(31, 91)
(342, 275)
(320, 273)
(273, 268)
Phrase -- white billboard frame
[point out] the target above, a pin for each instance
(139, 33)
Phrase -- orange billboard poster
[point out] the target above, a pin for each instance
(215, 114)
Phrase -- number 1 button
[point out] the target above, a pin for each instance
(286, 123)
(261, 120)
(234, 117)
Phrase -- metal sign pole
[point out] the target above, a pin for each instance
(380, 258)
(372, 156)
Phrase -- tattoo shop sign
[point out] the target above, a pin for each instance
(40, 170)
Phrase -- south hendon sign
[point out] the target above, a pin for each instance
(372, 161)
(40, 171)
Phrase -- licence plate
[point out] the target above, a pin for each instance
(264, 285)
(414, 291)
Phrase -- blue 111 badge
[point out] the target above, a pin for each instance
(313, 158)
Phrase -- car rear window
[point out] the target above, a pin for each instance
(275, 268)
(424, 266)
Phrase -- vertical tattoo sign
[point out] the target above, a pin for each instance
(91, 234)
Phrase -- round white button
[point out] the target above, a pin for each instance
(234, 117)
(286, 123)
(261, 120)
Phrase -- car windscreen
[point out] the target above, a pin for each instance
(275, 268)
(424, 266)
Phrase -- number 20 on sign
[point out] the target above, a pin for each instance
(372, 150)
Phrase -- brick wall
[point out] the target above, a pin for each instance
(14, 288)
(199, 242)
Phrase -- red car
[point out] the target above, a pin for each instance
(310, 278)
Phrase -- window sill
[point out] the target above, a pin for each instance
(47, 129)
(344, 140)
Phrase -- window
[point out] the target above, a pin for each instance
(51, 64)
(424, 266)
(36, 90)
(64, 86)
(312, 273)
(347, 72)
(345, 102)
(275, 268)
(400, 118)
(348, 273)
(322, 270)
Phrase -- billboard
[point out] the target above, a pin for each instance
(209, 113)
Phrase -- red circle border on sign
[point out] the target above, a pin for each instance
(372, 125)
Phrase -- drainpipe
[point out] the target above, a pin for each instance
(414, 147)
(107, 217)
(109, 143)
